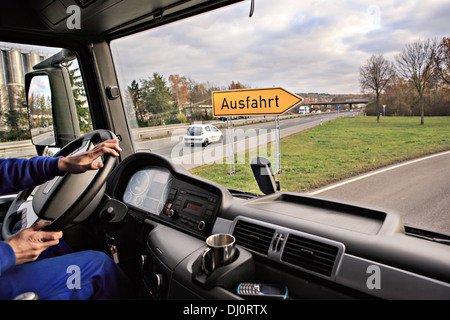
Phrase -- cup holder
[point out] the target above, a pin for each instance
(241, 269)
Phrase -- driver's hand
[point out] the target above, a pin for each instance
(29, 243)
(86, 161)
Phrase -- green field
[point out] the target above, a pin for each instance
(340, 149)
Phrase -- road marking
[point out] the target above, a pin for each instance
(377, 172)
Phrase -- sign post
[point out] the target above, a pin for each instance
(253, 102)
(230, 146)
(278, 150)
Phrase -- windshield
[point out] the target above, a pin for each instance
(366, 131)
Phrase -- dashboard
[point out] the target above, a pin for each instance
(156, 191)
(320, 248)
(166, 192)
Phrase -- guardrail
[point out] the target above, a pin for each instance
(22, 149)
(25, 148)
(142, 134)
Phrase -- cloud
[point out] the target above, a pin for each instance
(303, 46)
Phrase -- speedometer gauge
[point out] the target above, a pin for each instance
(139, 182)
(148, 189)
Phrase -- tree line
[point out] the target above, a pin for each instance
(416, 83)
(177, 99)
(16, 120)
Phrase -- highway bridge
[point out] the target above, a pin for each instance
(337, 103)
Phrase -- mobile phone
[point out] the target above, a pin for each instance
(262, 291)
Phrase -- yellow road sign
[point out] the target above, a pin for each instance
(252, 102)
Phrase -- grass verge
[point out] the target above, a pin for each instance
(340, 149)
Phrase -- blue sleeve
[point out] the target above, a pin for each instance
(19, 174)
(7, 257)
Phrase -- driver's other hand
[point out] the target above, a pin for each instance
(29, 243)
(86, 161)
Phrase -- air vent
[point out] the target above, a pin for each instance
(253, 236)
(310, 254)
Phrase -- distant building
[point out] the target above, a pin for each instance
(14, 64)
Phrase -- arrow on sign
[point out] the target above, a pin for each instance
(251, 102)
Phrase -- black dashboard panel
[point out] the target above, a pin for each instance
(150, 184)
(344, 216)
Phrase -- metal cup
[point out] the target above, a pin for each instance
(220, 252)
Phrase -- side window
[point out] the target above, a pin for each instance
(16, 123)
(208, 128)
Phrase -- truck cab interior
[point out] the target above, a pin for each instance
(158, 214)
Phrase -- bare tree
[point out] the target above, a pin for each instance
(375, 74)
(179, 89)
(442, 60)
(415, 63)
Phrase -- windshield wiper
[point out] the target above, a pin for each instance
(428, 235)
(243, 194)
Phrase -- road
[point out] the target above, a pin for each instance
(419, 190)
(166, 146)
(245, 137)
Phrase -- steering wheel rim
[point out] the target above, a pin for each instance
(59, 188)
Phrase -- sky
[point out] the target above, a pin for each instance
(302, 46)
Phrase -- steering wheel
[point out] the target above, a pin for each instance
(64, 199)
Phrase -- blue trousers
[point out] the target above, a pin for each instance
(81, 275)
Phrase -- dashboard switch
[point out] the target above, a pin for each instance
(201, 225)
(168, 208)
(172, 213)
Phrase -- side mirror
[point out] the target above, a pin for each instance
(39, 102)
(51, 107)
(264, 176)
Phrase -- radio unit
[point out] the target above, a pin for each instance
(191, 209)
